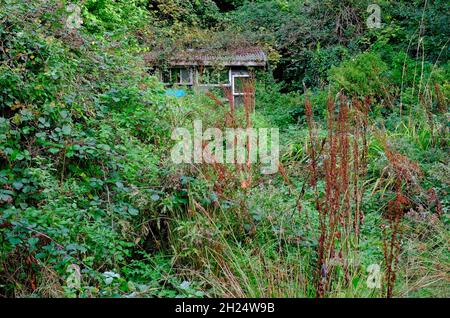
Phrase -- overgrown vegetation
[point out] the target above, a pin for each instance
(91, 204)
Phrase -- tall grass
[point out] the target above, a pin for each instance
(339, 219)
(244, 256)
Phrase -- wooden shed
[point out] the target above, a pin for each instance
(209, 68)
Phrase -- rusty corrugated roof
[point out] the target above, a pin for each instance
(235, 57)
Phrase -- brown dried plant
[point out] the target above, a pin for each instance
(406, 174)
(225, 176)
(339, 219)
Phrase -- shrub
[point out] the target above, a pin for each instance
(363, 75)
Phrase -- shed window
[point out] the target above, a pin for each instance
(178, 76)
(185, 76)
(165, 76)
(239, 82)
(212, 76)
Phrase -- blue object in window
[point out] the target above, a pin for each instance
(178, 93)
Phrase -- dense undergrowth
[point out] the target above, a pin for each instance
(91, 204)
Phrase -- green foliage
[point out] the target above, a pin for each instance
(361, 76)
(74, 124)
(320, 62)
(191, 12)
(91, 205)
(110, 15)
(282, 109)
(422, 19)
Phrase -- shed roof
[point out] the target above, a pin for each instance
(213, 57)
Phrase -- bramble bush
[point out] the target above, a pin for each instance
(78, 115)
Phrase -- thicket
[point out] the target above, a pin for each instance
(92, 206)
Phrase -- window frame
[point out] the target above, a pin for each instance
(178, 70)
(233, 77)
(227, 84)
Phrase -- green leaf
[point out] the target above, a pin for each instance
(18, 185)
(133, 211)
(66, 130)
